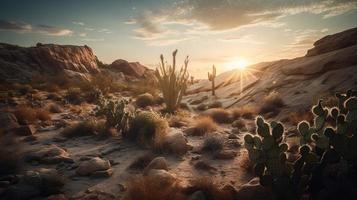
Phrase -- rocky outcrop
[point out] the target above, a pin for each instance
(331, 68)
(334, 42)
(134, 69)
(21, 63)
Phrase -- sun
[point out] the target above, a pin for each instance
(239, 63)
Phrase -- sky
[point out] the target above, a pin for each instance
(226, 33)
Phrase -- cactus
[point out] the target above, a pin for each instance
(268, 154)
(117, 114)
(172, 83)
(212, 77)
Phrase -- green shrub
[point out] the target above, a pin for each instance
(148, 129)
(144, 100)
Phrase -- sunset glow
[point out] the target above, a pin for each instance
(239, 63)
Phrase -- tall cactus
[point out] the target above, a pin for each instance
(172, 83)
(212, 77)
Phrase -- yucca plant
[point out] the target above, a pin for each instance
(172, 83)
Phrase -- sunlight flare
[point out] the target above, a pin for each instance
(239, 63)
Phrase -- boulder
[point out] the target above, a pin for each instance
(198, 195)
(25, 130)
(49, 155)
(93, 165)
(176, 142)
(129, 68)
(8, 121)
(156, 163)
(162, 177)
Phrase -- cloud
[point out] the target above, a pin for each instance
(93, 39)
(22, 27)
(248, 39)
(104, 30)
(78, 23)
(53, 31)
(14, 26)
(83, 34)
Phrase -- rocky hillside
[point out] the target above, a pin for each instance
(331, 65)
(21, 63)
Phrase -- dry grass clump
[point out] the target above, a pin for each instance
(150, 188)
(202, 126)
(144, 100)
(272, 103)
(148, 129)
(26, 114)
(209, 188)
(141, 87)
(87, 128)
(213, 143)
(55, 108)
(219, 115)
(74, 96)
(179, 120)
(246, 112)
(10, 155)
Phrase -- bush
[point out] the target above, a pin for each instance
(144, 100)
(271, 104)
(246, 112)
(55, 108)
(212, 143)
(74, 96)
(148, 129)
(219, 115)
(178, 120)
(202, 126)
(93, 96)
(150, 188)
(86, 128)
(43, 115)
(26, 114)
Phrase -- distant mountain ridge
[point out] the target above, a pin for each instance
(19, 64)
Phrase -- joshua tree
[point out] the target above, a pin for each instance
(172, 83)
(212, 77)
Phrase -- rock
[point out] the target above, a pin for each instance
(21, 63)
(25, 130)
(91, 166)
(49, 155)
(129, 68)
(176, 142)
(103, 174)
(225, 154)
(253, 190)
(8, 121)
(334, 42)
(164, 178)
(198, 195)
(156, 163)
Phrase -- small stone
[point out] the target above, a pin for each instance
(156, 163)
(103, 174)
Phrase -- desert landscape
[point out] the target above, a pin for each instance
(74, 127)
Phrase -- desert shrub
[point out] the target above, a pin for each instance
(43, 115)
(86, 128)
(25, 114)
(103, 82)
(93, 96)
(272, 103)
(246, 112)
(51, 83)
(10, 155)
(148, 129)
(178, 120)
(24, 89)
(150, 188)
(142, 86)
(213, 143)
(142, 161)
(144, 100)
(117, 114)
(74, 96)
(238, 124)
(54, 96)
(209, 188)
(219, 115)
(55, 108)
(172, 83)
(202, 126)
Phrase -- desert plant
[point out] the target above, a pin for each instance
(212, 77)
(144, 100)
(55, 108)
(117, 114)
(267, 153)
(213, 143)
(172, 84)
(219, 115)
(148, 129)
(202, 126)
(86, 128)
(246, 112)
(94, 95)
(271, 104)
(74, 96)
